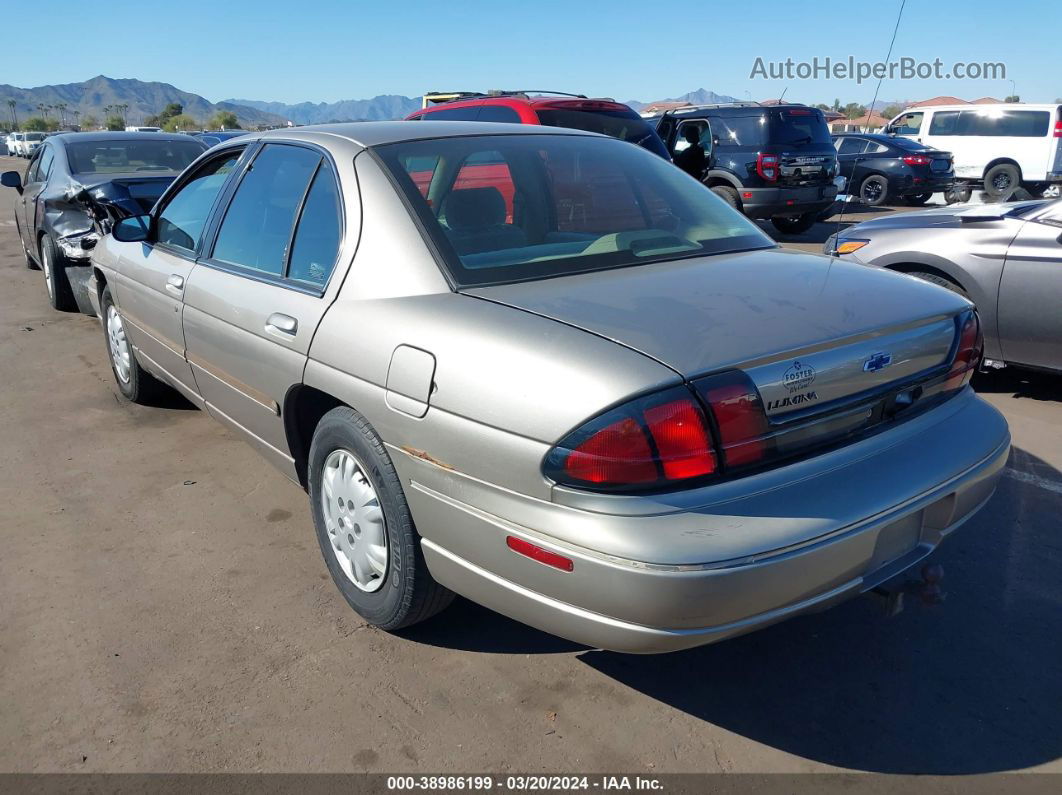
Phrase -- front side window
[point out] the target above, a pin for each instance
(258, 224)
(851, 146)
(181, 221)
(908, 124)
(582, 204)
(467, 113)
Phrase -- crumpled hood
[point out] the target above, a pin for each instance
(710, 313)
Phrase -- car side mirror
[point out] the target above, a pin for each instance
(11, 179)
(132, 230)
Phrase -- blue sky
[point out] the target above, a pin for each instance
(629, 49)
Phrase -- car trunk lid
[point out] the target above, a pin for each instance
(809, 331)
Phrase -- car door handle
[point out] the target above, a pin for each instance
(175, 285)
(282, 325)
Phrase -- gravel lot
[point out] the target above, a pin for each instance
(164, 607)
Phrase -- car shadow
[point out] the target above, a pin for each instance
(169, 399)
(969, 686)
(1021, 383)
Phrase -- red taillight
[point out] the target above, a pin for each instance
(917, 160)
(967, 353)
(1058, 129)
(528, 549)
(653, 441)
(767, 167)
(681, 438)
(739, 417)
(618, 453)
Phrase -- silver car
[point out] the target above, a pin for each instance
(1006, 258)
(549, 371)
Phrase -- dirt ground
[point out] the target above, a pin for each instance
(164, 607)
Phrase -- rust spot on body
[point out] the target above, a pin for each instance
(425, 456)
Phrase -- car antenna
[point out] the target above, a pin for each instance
(866, 127)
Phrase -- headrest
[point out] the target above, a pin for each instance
(474, 207)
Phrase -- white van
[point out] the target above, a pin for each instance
(1002, 146)
(143, 129)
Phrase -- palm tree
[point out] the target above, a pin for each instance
(43, 109)
(61, 107)
(14, 116)
(122, 109)
(76, 114)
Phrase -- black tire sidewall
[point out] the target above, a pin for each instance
(387, 607)
(61, 297)
(1015, 181)
(794, 226)
(727, 194)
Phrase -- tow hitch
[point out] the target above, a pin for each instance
(927, 590)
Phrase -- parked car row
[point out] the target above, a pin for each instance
(1001, 147)
(24, 144)
(542, 368)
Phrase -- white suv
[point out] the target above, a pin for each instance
(12, 142)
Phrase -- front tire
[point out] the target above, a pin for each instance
(364, 526)
(136, 383)
(60, 295)
(940, 281)
(797, 225)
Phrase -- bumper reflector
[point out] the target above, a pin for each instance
(529, 550)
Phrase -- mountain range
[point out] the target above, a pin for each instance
(144, 99)
(394, 106)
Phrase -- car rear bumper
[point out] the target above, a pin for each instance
(768, 202)
(855, 518)
(908, 187)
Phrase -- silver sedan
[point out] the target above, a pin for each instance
(549, 371)
(1006, 258)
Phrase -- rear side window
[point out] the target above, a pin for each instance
(1009, 124)
(453, 114)
(313, 253)
(257, 228)
(623, 124)
(498, 113)
(181, 221)
(741, 130)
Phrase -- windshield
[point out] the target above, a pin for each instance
(525, 207)
(802, 125)
(34, 136)
(623, 124)
(119, 157)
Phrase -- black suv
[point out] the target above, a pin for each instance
(769, 161)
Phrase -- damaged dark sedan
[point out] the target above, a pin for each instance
(77, 185)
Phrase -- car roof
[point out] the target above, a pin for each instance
(883, 137)
(377, 133)
(984, 108)
(98, 137)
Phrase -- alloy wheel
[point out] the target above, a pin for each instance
(354, 520)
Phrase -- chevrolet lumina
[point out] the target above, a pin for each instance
(549, 371)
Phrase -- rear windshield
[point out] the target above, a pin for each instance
(623, 124)
(911, 146)
(524, 207)
(800, 126)
(117, 157)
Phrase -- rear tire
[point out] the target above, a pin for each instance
(940, 281)
(918, 199)
(794, 225)
(729, 195)
(391, 588)
(1002, 179)
(136, 383)
(874, 191)
(60, 296)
